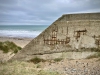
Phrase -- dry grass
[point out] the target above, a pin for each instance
(23, 68)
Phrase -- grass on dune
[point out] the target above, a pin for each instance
(23, 68)
(8, 46)
(36, 60)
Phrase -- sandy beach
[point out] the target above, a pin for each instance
(18, 41)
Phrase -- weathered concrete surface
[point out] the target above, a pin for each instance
(84, 42)
(65, 55)
(67, 33)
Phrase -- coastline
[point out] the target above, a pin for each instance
(18, 41)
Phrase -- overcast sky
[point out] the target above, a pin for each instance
(42, 12)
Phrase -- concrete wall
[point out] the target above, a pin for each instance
(64, 27)
(84, 16)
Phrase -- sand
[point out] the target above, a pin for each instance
(18, 41)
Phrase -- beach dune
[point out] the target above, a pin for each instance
(18, 41)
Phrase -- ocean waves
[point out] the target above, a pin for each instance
(19, 33)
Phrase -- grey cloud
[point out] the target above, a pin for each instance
(42, 11)
(6, 2)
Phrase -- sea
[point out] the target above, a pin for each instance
(21, 31)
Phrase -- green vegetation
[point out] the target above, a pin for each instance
(36, 60)
(97, 55)
(95, 49)
(57, 59)
(8, 46)
(23, 68)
